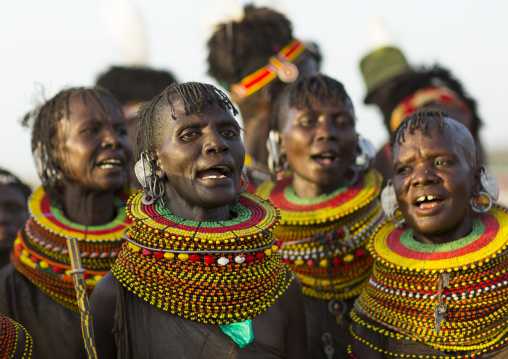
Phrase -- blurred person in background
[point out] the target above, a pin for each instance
(254, 58)
(133, 86)
(13, 211)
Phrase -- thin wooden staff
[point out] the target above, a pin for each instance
(82, 296)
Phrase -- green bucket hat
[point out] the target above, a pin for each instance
(380, 66)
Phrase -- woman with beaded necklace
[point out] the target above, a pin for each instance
(199, 275)
(81, 148)
(328, 204)
(439, 285)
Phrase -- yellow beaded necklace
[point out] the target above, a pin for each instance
(451, 297)
(212, 272)
(323, 239)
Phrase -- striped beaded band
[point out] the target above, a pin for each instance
(327, 208)
(396, 247)
(324, 238)
(279, 65)
(40, 249)
(213, 272)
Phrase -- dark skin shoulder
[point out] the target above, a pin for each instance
(103, 307)
(283, 324)
(361, 350)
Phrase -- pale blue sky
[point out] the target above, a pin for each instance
(57, 43)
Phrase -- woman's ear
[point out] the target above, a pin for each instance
(477, 183)
(155, 159)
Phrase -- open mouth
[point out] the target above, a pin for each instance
(215, 172)
(110, 163)
(429, 201)
(325, 158)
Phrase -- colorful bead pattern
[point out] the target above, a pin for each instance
(10, 336)
(41, 254)
(212, 272)
(402, 291)
(327, 235)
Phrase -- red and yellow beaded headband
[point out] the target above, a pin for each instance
(425, 96)
(279, 65)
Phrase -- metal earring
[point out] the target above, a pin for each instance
(477, 203)
(389, 203)
(489, 183)
(153, 186)
(277, 163)
(366, 153)
(244, 183)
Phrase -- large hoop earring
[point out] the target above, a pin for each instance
(364, 160)
(478, 206)
(277, 163)
(389, 203)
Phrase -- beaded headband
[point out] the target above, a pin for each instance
(425, 96)
(279, 65)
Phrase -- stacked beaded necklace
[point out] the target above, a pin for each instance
(451, 296)
(323, 239)
(10, 339)
(41, 254)
(212, 272)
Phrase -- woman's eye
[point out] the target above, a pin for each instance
(345, 121)
(403, 170)
(442, 162)
(93, 129)
(229, 133)
(189, 135)
(121, 130)
(307, 121)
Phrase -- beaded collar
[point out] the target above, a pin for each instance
(323, 239)
(212, 272)
(41, 254)
(10, 343)
(470, 273)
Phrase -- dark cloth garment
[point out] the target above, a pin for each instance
(5, 258)
(54, 329)
(402, 346)
(320, 319)
(145, 331)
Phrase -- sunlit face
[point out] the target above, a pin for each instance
(434, 181)
(13, 214)
(202, 156)
(94, 144)
(320, 144)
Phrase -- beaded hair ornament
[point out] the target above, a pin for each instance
(441, 95)
(279, 66)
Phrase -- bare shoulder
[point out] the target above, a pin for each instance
(105, 289)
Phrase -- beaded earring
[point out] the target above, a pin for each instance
(153, 186)
(364, 158)
(277, 163)
(389, 203)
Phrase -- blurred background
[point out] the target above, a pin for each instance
(51, 44)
